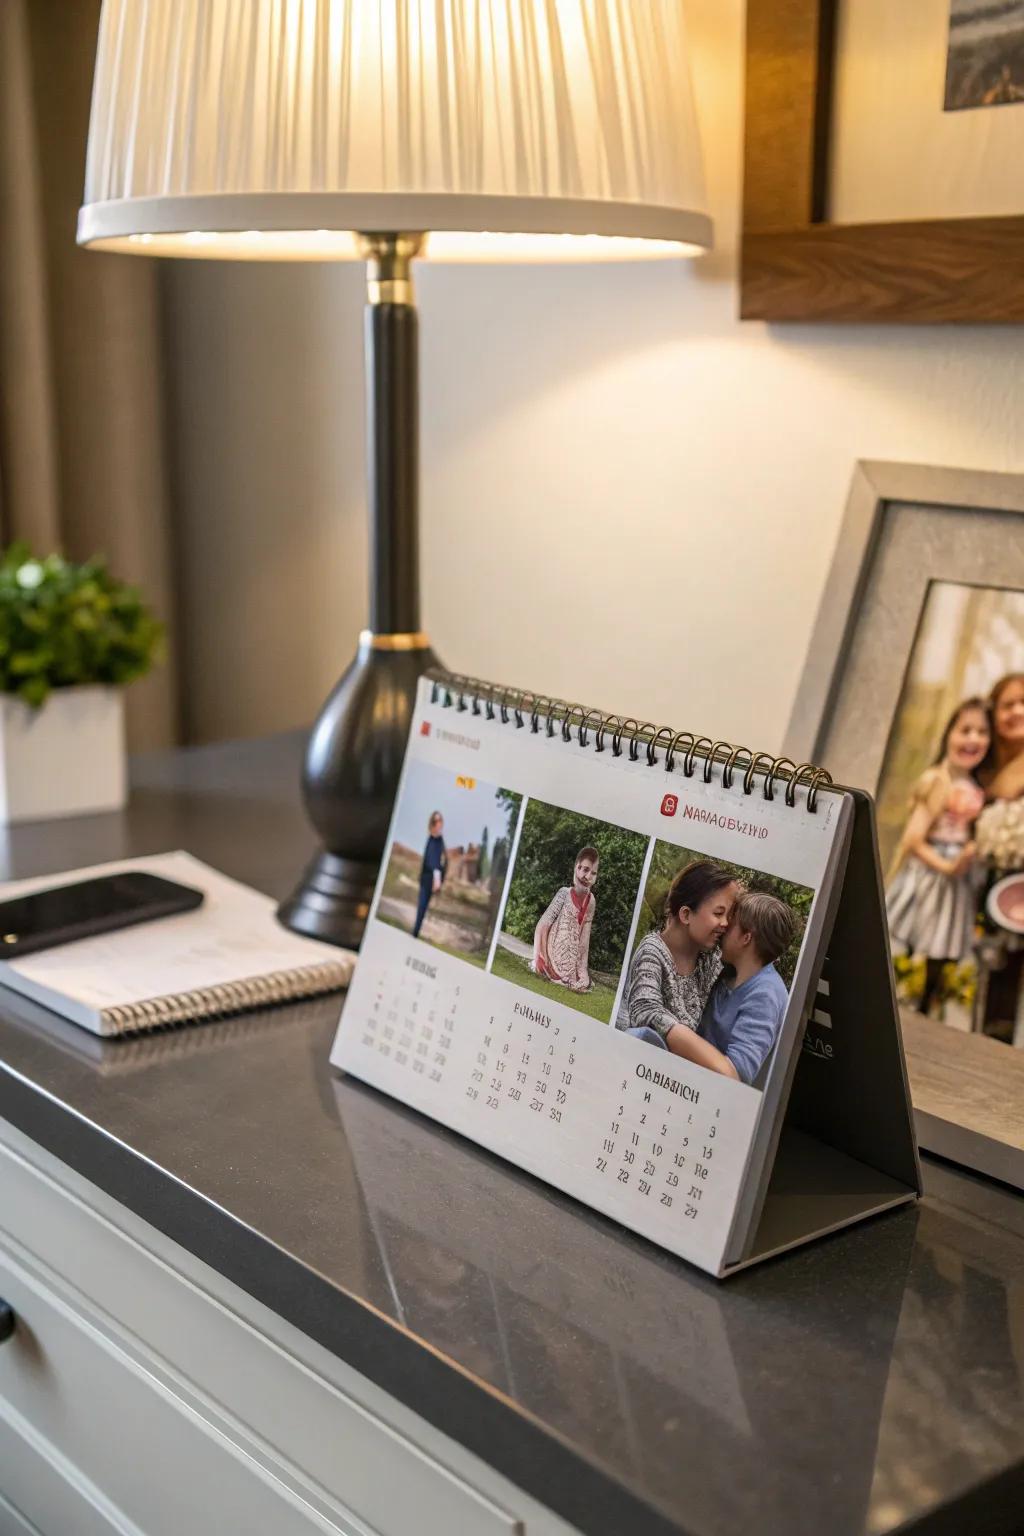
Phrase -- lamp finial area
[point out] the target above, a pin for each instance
(389, 259)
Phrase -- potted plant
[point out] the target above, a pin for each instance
(71, 637)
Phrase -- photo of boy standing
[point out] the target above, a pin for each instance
(433, 869)
(561, 940)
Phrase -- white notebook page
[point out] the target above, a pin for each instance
(233, 936)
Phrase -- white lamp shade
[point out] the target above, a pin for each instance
(503, 127)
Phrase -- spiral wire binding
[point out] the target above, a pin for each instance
(539, 712)
(204, 1003)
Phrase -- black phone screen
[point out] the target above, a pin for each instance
(62, 913)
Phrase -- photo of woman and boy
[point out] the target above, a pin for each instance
(569, 908)
(950, 797)
(711, 970)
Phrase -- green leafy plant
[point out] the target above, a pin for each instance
(64, 625)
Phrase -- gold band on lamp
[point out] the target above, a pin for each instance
(416, 641)
(389, 260)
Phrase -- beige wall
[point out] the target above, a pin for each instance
(266, 398)
(628, 496)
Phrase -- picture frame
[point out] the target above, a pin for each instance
(967, 1089)
(795, 265)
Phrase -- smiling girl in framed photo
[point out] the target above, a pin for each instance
(931, 899)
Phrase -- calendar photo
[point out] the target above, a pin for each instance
(712, 963)
(447, 861)
(572, 892)
(501, 987)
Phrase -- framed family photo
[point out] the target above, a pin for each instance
(914, 688)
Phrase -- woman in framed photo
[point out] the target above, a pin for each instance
(999, 1008)
(1002, 774)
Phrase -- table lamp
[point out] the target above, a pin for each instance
(386, 130)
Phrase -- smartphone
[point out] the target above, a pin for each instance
(60, 914)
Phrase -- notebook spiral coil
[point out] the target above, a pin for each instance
(204, 1003)
(526, 709)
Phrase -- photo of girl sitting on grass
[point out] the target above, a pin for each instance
(569, 909)
(561, 940)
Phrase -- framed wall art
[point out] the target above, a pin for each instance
(914, 689)
(882, 158)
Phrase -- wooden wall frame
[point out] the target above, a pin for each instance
(795, 265)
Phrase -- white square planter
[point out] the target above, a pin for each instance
(66, 758)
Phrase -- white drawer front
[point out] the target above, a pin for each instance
(11, 1522)
(163, 1469)
(330, 1450)
(45, 1494)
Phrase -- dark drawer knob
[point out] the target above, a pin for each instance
(6, 1321)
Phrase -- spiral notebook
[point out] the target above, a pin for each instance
(228, 956)
(647, 967)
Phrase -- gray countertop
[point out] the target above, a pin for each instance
(872, 1382)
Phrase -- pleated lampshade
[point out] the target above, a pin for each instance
(277, 128)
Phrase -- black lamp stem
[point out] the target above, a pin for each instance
(356, 747)
(392, 446)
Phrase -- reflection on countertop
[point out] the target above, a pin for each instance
(855, 1385)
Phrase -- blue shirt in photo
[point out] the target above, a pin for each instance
(435, 858)
(744, 1022)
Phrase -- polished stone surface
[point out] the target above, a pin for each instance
(869, 1383)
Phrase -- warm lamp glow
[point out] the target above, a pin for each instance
(448, 246)
(510, 129)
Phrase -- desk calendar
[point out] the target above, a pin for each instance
(648, 968)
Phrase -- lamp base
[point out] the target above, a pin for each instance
(349, 782)
(332, 900)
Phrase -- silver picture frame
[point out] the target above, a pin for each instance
(906, 525)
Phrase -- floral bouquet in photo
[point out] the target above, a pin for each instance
(1000, 835)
